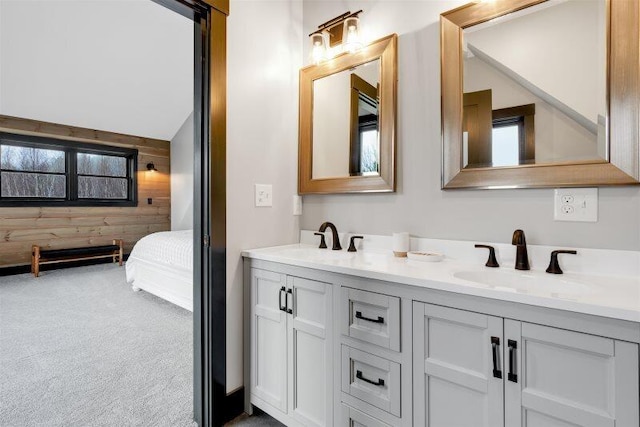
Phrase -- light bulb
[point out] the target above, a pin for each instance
(351, 37)
(318, 49)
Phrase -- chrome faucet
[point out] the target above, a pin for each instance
(522, 258)
(335, 240)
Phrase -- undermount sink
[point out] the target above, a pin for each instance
(525, 281)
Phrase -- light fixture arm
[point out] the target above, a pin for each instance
(335, 31)
(335, 21)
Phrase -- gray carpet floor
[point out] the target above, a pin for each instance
(79, 348)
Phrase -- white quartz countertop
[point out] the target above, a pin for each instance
(599, 295)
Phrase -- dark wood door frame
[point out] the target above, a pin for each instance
(209, 302)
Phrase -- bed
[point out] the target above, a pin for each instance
(162, 264)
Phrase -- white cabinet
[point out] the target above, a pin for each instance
(566, 378)
(268, 339)
(472, 369)
(456, 382)
(292, 348)
(370, 358)
(402, 356)
(371, 317)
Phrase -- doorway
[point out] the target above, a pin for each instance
(209, 299)
(209, 236)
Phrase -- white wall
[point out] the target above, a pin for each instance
(117, 65)
(182, 162)
(419, 206)
(264, 56)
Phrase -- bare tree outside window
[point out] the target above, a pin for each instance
(102, 177)
(32, 172)
(98, 164)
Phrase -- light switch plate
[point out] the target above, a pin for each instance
(576, 204)
(264, 195)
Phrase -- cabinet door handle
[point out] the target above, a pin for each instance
(368, 319)
(379, 383)
(289, 292)
(513, 348)
(282, 307)
(495, 349)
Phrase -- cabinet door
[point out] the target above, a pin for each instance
(455, 383)
(310, 352)
(268, 338)
(568, 379)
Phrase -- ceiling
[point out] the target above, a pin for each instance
(117, 65)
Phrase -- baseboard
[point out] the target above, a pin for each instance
(234, 404)
(21, 269)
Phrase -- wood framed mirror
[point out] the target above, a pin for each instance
(561, 126)
(347, 119)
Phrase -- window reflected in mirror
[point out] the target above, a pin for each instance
(365, 143)
(346, 139)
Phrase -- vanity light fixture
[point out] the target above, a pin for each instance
(342, 31)
(151, 167)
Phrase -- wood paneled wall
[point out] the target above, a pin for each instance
(67, 227)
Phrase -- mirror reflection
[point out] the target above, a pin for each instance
(346, 137)
(535, 86)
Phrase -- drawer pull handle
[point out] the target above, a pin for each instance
(282, 307)
(359, 376)
(513, 347)
(495, 347)
(368, 319)
(289, 292)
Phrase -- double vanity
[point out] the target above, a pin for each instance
(368, 339)
(363, 338)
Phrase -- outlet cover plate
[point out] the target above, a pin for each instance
(264, 195)
(576, 204)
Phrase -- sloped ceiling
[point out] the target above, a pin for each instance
(117, 65)
(560, 50)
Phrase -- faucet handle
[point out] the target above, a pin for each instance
(492, 261)
(352, 246)
(323, 243)
(554, 266)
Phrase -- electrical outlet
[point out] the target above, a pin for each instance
(264, 195)
(576, 204)
(567, 199)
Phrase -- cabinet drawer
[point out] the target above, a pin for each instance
(372, 379)
(371, 317)
(353, 418)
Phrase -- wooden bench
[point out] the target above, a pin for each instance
(54, 256)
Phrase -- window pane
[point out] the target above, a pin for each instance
(90, 187)
(505, 146)
(369, 155)
(17, 158)
(98, 164)
(32, 185)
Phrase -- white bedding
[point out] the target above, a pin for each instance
(162, 264)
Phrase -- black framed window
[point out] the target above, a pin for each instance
(38, 171)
